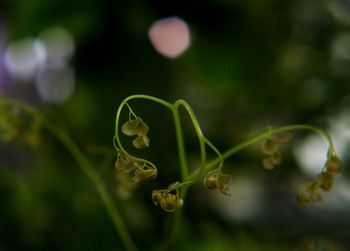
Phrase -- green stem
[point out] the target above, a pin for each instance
(216, 151)
(265, 135)
(180, 145)
(198, 130)
(85, 166)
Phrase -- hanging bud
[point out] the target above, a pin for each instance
(267, 163)
(271, 147)
(333, 163)
(148, 172)
(309, 193)
(210, 180)
(326, 181)
(276, 158)
(268, 146)
(223, 183)
(130, 127)
(217, 180)
(125, 164)
(142, 128)
(168, 200)
(135, 127)
(141, 142)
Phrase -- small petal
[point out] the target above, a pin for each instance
(217, 180)
(130, 127)
(276, 158)
(309, 193)
(333, 164)
(145, 173)
(268, 146)
(267, 163)
(124, 163)
(141, 142)
(142, 128)
(223, 183)
(167, 200)
(326, 181)
(210, 180)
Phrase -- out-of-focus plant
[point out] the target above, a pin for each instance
(131, 169)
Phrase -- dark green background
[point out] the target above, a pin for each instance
(251, 64)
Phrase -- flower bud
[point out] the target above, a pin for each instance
(167, 200)
(223, 183)
(333, 163)
(276, 158)
(135, 127)
(267, 163)
(130, 127)
(309, 193)
(141, 142)
(147, 172)
(326, 181)
(217, 180)
(210, 180)
(125, 164)
(268, 146)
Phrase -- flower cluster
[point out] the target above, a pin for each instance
(140, 170)
(168, 198)
(16, 125)
(217, 180)
(311, 191)
(270, 147)
(136, 127)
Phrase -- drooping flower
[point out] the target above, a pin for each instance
(168, 199)
(217, 180)
(136, 127)
(270, 147)
(146, 172)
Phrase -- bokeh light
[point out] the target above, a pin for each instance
(170, 36)
(55, 84)
(59, 45)
(245, 201)
(24, 57)
(340, 9)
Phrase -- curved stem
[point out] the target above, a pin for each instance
(122, 104)
(85, 166)
(180, 145)
(265, 135)
(216, 151)
(182, 156)
(198, 130)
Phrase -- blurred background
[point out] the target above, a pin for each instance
(242, 65)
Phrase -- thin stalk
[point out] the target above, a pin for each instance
(198, 130)
(180, 145)
(265, 135)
